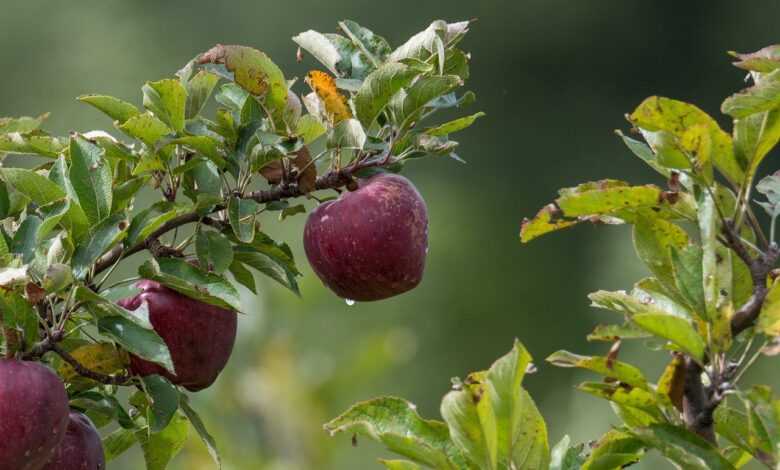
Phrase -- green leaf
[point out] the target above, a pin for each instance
(115, 108)
(769, 319)
(90, 175)
(616, 449)
(682, 122)
(200, 428)
(199, 89)
(146, 128)
(38, 188)
(214, 251)
(207, 146)
(163, 400)
(118, 442)
(688, 450)
(634, 303)
(31, 144)
(24, 241)
(733, 425)
(379, 86)
(256, 73)
(348, 134)
(373, 46)
(472, 421)
(104, 306)
(565, 457)
(454, 125)
(763, 60)
(610, 202)
(279, 254)
(167, 99)
(320, 47)
(687, 267)
(125, 192)
(675, 329)
(192, 282)
(548, 219)
(653, 241)
(52, 215)
(140, 341)
(420, 94)
(160, 448)
(278, 270)
(494, 420)
(764, 95)
(19, 315)
(146, 222)
(310, 128)
(395, 423)
(636, 407)
(21, 125)
(243, 276)
(612, 369)
(422, 44)
(645, 153)
(241, 214)
(612, 333)
(755, 136)
(108, 233)
(521, 433)
(399, 465)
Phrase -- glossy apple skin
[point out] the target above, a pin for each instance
(199, 336)
(81, 448)
(33, 414)
(371, 243)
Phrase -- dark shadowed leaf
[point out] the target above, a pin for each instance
(187, 279)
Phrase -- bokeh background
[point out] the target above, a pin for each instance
(555, 78)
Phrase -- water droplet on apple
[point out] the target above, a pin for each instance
(349, 302)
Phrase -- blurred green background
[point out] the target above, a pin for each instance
(555, 78)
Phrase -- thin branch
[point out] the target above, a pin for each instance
(89, 373)
(331, 180)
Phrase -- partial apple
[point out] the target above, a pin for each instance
(199, 336)
(370, 243)
(33, 414)
(81, 448)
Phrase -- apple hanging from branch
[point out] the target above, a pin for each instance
(370, 243)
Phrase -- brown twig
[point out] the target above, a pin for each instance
(700, 402)
(331, 180)
(89, 373)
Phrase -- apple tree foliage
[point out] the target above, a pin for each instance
(711, 304)
(226, 139)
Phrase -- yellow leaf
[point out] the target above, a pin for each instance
(335, 103)
(100, 357)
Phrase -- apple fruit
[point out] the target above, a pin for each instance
(33, 414)
(199, 336)
(81, 448)
(370, 243)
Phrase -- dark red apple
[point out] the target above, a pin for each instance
(370, 243)
(81, 448)
(199, 336)
(33, 414)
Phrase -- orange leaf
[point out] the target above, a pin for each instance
(335, 103)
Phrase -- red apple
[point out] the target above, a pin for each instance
(33, 414)
(199, 336)
(81, 448)
(370, 243)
